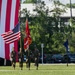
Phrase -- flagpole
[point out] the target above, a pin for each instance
(20, 24)
(28, 46)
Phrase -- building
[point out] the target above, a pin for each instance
(64, 16)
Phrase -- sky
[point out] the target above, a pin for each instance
(63, 1)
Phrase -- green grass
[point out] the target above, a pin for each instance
(49, 69)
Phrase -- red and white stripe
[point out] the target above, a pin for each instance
(10, 37)
(8, 19)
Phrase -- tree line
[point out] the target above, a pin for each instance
(48, 28)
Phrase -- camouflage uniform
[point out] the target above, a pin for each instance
(13, 58)
(28, 59)
(20, 57)
(36, 57)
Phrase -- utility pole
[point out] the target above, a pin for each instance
(20, 24)
(42, 46)
(70, 9)
(70, 13)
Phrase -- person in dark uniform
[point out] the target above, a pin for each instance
(36, 57)
(20, 57)
(13, 57)
(28, 59)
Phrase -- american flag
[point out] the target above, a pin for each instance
(12, 35)
(9, 13)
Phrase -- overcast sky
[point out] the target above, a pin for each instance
(63, 1)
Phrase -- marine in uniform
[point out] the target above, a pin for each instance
(13, 57)
(20, 57)
(36, 58)
(28, 59)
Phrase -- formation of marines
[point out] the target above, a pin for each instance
(21, 58)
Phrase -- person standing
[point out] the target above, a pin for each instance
(36, 58)
(20, 57)
(13, 57)
(28, 59)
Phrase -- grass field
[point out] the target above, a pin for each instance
(47, 69)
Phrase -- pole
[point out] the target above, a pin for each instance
(20, 24)
(67, 56)
(42, 55)
(70, 9)
(70, 13)
(42, 45)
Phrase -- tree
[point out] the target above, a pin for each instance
(48, 26)
(48, 29)
(72, 5)
(32, 1)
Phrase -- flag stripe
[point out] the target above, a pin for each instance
(7, 26)
(2, 27)
(13, 37)
(9, 32)
(8, 16)
(16, 21)
(10, 41)
(13, 34)
(12, 20)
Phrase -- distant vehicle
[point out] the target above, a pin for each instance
(48, 58)
(70, 57)
(57, 58)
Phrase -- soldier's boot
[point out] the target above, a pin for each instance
(29, 65)
(21, 67)
(29, 68)
(37, 66)
(14, 66)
